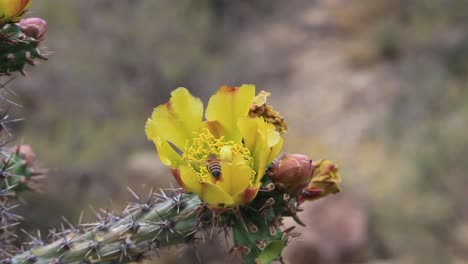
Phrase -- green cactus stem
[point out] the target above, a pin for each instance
(170, 219)
(258, 237)
(17, 50)
(16, 175)
(175, 217)
(161, 221)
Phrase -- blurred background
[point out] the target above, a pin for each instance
(379, 86)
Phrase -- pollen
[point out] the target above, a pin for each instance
(205, 144)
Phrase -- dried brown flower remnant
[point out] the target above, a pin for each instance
(325, 181)
(259, 108)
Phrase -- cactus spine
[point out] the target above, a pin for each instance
(161, 221)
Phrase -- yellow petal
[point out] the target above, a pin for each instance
(262, 140)
(248, 129)
(177, 119)
(275, 150)
(273, 136)
(236, 175)
(215, 196)
(190, 180)
(12, 9)
(167, 154)
(227, 105)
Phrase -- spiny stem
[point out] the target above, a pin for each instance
(144, 228)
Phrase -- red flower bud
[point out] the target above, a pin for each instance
(293, 171)
(34, 27)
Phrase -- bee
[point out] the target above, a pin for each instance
(213, 164)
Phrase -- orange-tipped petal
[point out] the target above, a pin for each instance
(246, 196)
(176, 173)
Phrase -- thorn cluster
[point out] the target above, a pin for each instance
(168, 218)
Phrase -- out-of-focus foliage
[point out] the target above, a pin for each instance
(379, 84)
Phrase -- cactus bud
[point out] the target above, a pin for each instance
(325, 180)
(34, 27)
(293, 172)
(18, 170)
(26, 153)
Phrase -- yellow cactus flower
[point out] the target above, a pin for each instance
(243, 146)
(12, 10)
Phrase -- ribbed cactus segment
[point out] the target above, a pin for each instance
(260, 239)
(15, 174)
(17, 49)
(257, 234)
(145, 227)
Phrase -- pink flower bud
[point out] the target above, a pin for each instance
(34, 27)
(26, 153)
(293, 171)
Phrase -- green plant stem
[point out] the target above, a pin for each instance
(145, 228)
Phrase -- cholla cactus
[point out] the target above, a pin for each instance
(18, 46)
(248, 196)
(244, 133)
(225, 166)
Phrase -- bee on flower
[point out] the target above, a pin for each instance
(12, 10)
(221, 159)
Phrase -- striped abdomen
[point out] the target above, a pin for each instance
(213, 164)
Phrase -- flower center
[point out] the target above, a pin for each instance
(205, 146)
